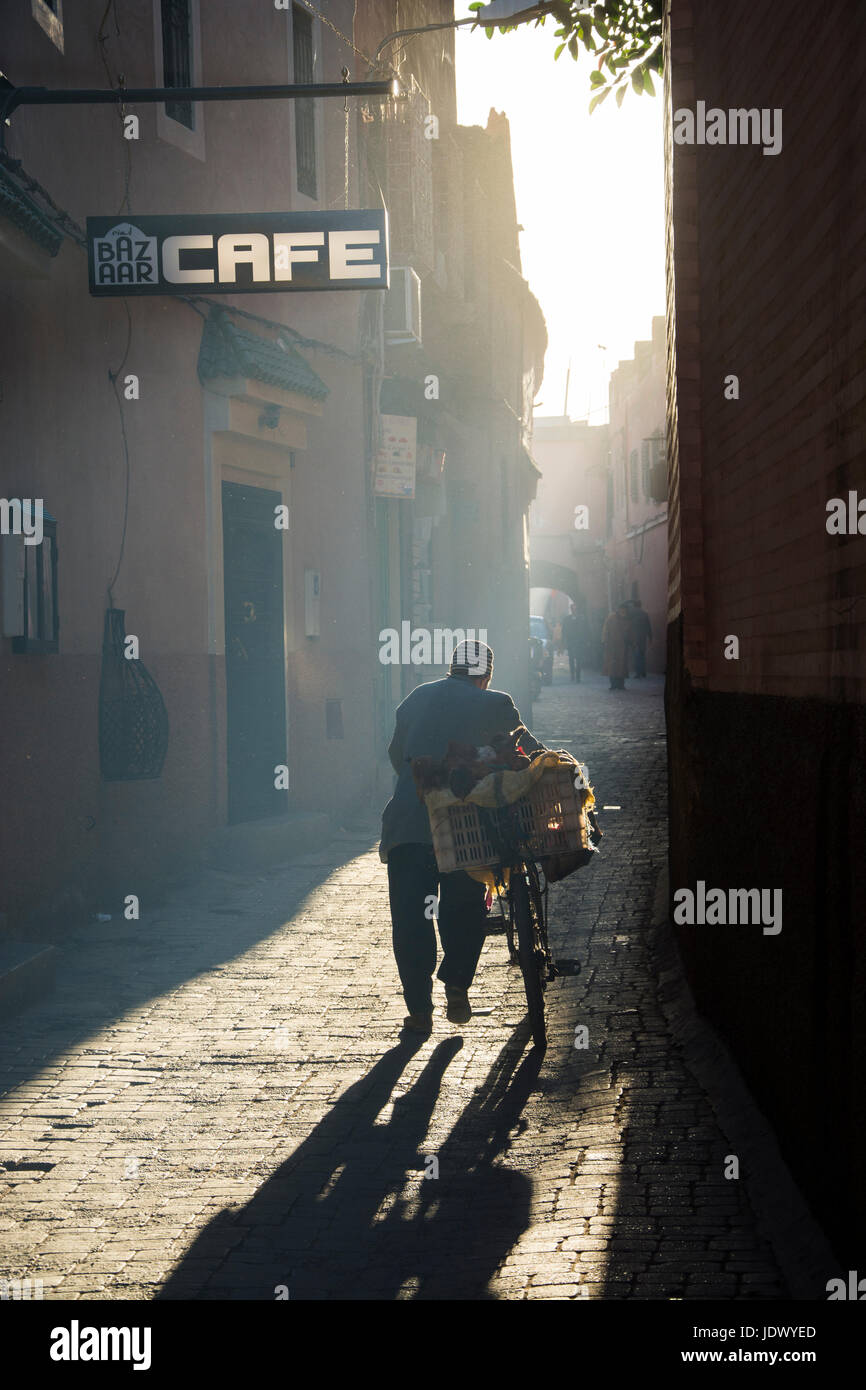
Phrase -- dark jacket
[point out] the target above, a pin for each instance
(427, 720)
(640, 625)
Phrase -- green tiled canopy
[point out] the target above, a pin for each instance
(227, 350)
(20, 208)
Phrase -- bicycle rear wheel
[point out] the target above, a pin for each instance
(530, 954)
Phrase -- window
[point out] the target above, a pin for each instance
(645, 467)
(658, 485)
(334, 719)
(632, 472)
(505, 519)
(30, 615)
(49, 16)
(177, 57)
(305, 111)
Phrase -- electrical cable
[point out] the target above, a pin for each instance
(340, 35)
(329, 348)
(118, 81)
(113, 378)
(125, 204)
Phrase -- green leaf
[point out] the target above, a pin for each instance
(559, 50)
(597, 79)
(637, 81)
(620, 95)
(648, 82)
(598, 98)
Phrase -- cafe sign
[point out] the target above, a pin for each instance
(238, 253)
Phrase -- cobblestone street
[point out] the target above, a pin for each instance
(216, 1103)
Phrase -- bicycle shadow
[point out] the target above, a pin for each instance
(335, 1221)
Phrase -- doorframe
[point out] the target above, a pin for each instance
(231, 458)
(245, 477)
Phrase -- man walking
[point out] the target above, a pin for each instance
(572, 637)
(641, 633)
(616, 636)
(461, 708)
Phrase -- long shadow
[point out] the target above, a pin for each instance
(105, 970)
(335, 1222)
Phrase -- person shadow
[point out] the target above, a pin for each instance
(369, 1210)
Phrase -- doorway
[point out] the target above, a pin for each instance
(255, 652)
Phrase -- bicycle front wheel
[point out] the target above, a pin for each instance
(530, 955)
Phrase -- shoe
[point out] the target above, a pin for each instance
(459, 1009)
(418, 1023)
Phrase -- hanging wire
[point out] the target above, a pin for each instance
(113, 377)
(340, 35)
(117, 81)
(345, 74)
(330, 348)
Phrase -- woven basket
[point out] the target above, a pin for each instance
(550, 820)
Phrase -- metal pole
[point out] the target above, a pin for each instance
(47, 96)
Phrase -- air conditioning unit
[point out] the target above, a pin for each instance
(403, 307)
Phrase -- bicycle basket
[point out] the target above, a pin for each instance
(549, 820)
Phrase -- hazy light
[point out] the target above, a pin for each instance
(590, 195)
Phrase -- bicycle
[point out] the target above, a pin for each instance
(533, 838)
(528, 909)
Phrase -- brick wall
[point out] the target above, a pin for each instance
(765, 281)
(770, 248)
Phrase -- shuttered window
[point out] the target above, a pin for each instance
(177, 57)
(305, 113)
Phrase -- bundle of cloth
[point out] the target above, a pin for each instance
(464, 766)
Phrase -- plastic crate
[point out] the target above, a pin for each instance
(550, 820)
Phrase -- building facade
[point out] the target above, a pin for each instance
(208, 463)
(464, 351)
(637, 543)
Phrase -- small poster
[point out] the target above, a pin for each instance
(395, 462)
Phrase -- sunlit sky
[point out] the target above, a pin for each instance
(590, 195)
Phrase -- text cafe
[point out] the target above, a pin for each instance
(238, 254)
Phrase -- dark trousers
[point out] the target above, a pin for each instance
(639, 650)
(413, 879)
(574, 663)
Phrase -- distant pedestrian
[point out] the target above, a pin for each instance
(616, 638)
(641, 633)
(572, 637)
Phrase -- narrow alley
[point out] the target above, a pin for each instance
(216, 1102)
